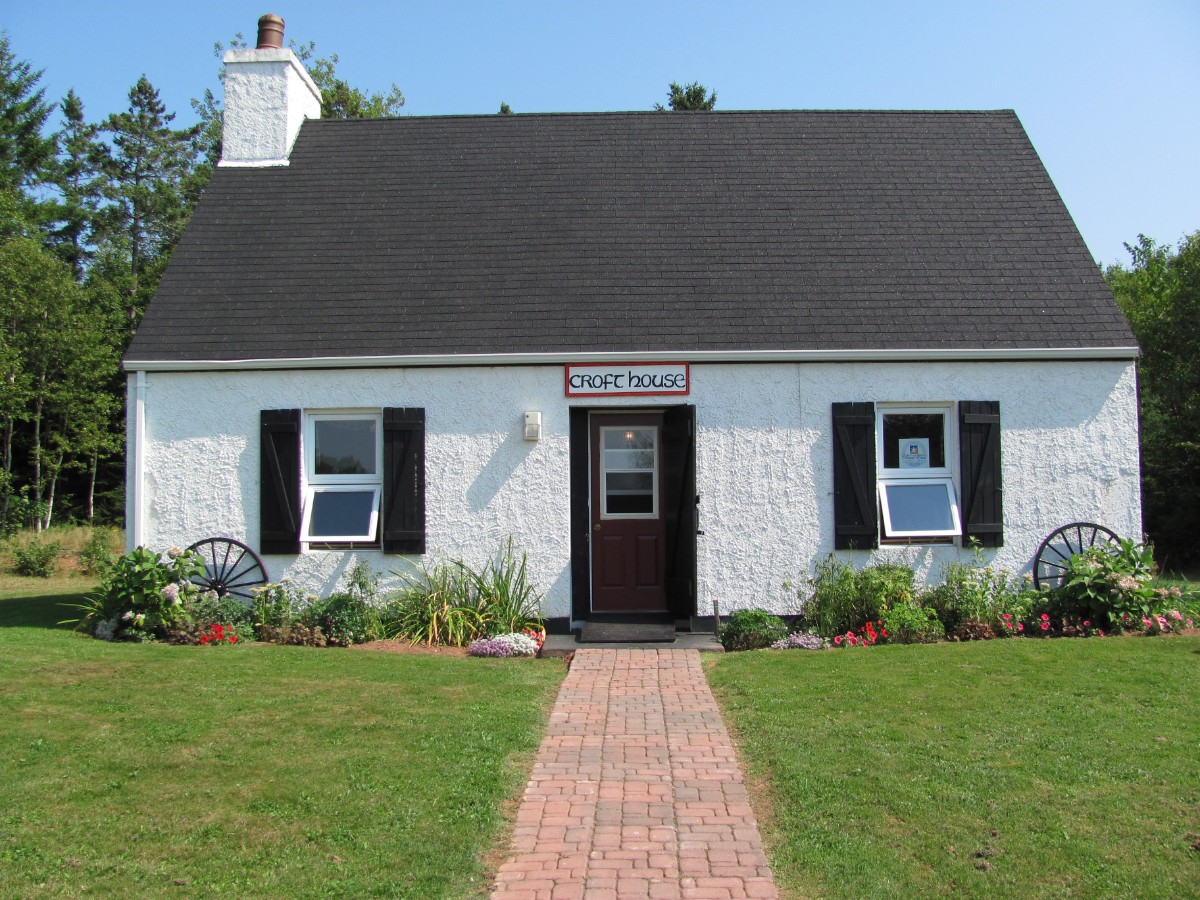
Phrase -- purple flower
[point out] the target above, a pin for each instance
(798, 640)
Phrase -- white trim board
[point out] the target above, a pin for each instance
(981, 354)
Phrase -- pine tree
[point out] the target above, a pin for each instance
(24, 152)
(76, 174)
(147, 170)
(693, 97)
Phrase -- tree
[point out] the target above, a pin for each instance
(1160, 296)
(505, 109)
(24, 151)
(339, 99)
(76, 174)
(693, 97)
(147, 170)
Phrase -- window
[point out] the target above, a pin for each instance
(629, 472)
(343, 478)
(930, 471)
(916, 484)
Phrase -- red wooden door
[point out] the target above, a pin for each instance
(628, 531)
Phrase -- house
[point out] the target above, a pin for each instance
(678, 357)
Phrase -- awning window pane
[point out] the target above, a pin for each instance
(343, 515)
(919, 509)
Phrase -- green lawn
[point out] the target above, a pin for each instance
(253, 771)
(1008, 768)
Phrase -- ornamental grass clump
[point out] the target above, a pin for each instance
(451, 602)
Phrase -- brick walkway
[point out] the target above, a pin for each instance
(636, 790)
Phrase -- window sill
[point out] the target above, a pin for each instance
(339, 547)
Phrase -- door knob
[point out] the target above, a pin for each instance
(596, 527)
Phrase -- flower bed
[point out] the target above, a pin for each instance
(1106, 592)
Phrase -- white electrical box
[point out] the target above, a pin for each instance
(533, 426)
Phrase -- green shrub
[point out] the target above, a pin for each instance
(37, 559)
(974, 594)
(840, 599)
(752, 629)
(910, 623)
(97, 554)
(278, 614)
(344, 618)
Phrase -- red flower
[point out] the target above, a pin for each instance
(1045, 626)
(1087, 624)
(883, 632)
(838, 639)
(233, 639)
(1045, 617)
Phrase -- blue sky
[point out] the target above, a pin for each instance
(1109, 92)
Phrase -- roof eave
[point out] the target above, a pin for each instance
(916, 354)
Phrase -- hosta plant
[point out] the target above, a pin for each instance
(142, 595)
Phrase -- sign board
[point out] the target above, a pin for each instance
(914, 453)
(636, 379)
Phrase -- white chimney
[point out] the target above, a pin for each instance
(268, 95)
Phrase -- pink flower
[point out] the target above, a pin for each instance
(1045, 626)
(1006, 616)
(1045, 617)
(838, 639)
(1176, 615)
(1087, 624)
(1020, 626)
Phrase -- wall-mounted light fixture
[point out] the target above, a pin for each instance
(533, 426)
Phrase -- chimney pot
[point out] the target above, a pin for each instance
(270, 32)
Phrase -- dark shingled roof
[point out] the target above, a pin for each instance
(660, 232)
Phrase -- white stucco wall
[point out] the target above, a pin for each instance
(764, 461)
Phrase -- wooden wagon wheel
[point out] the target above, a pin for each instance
(230, 568)
(1052, 562)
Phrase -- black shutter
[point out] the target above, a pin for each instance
(855, 511)
(279, 481)
(679, 507)
(581, 572)
(979, 458)
(404, 480)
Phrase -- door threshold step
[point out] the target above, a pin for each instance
(627, 633)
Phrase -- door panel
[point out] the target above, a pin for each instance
(628, 532)
(649, 551)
